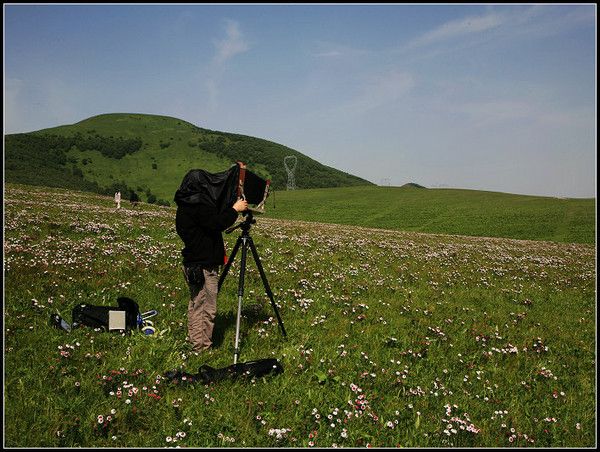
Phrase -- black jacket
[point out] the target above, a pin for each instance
(200, 227)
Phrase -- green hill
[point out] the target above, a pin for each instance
(149, 154)
(443, 211)
(412, 185)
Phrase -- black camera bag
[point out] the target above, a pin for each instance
(97, 316)
(207, 374)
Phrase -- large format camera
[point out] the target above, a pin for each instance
(223, 189)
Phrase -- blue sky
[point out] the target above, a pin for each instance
(485, 97)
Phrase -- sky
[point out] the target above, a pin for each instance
(475, 96)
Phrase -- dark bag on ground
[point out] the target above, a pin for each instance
(207, 374)
(101, 316)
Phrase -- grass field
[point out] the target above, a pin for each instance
(394, 338)
(443, 211)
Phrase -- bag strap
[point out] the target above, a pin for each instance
(242, 179)
(261, 206)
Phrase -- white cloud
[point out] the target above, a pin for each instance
(13, 116)
(233, 44)
(508, 22)
(387, 87)
(499, 112)
(325, 49)
(328, 54)
(32, 106)
(378, 90)
(541, 21)
(457, 28)
(496, 111)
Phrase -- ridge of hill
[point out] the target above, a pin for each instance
(149, 154)
(412, 185)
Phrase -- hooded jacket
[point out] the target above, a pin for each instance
(200, 227)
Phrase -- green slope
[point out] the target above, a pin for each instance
(169, 148)
(443, 211)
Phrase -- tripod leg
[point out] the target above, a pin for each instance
(266, 284)
(229, 262)
(236, 352)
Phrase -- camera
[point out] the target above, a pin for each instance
(223, 189)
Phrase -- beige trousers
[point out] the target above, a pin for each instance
(202, 308)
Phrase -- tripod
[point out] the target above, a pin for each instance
(245, 241)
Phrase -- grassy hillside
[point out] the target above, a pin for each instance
(394, 338)
(443, 211)
(168, 148)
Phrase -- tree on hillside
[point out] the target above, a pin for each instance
(134, 198)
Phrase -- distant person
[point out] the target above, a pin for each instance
(134, 199)
(200, 228)
(118, 199)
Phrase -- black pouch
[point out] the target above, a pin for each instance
(207, 374)
(249, 369)
(98, 316)
(195, 275)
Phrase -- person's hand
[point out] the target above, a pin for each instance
(241, 205)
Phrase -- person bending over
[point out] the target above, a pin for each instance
(200, 228)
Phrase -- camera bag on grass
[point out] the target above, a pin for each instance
(207, 374)
(102, 316)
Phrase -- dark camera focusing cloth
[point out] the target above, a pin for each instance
(222, 189)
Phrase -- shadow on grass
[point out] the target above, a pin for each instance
(251, 315)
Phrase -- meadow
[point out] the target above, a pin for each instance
(395, 338)
(444, 211)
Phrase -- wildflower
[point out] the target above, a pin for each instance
(279, 433)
